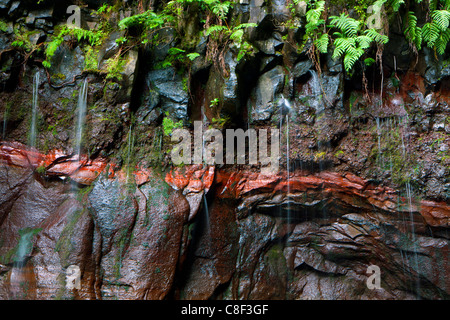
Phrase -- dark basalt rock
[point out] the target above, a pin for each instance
(364, 179)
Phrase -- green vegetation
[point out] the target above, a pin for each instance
(24, 234)
(169, 125)
(3, 26)
(351, 37)
(93, 37)
(40, 170)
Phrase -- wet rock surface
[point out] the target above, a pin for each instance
(251, 236)
(364, 156)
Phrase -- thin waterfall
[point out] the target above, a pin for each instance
(413, 235)
(288, 171)
(207, 219)
(402, 123)
(129, 147)
(316, 91)
(17, 276)
(379, 139)
(5, 121)
(32, 134)
(82, 102)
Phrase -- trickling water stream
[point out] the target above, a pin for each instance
(82, 102)
(5, 121)
(33, 129)
(130, 146)
(17, 278)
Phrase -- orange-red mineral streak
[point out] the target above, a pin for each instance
(229, 184)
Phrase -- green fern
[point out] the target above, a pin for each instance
(313, 18)
(313, 15)
(364, 42)
(351, 56)
(350, 42)
(342, 45)
(436, 33)
(321, 43)
(441, 18)
(442, 41)
(433, 4)
(396, 4)
(376, 36)
(348, 25)
(412, 32)
(215, 30)
(313, 22)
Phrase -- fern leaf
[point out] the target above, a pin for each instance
(237, 35)
(430, 33)
(313, 26)
(411, 23)
(441, 18)
(348, 25)
(313, 15)
(215, 29)
(246, 25)
(418, 38)
(322, 43)
(442, 41)
(433, 4)
(447, 4)
(396, 4)
(364, 42)
(192, 56)
(342, 45)
(351, 56)
(376, 36)
(412, 32)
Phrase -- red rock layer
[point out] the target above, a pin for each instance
(235, 185)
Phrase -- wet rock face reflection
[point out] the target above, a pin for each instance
(92, 206)
(141, 241)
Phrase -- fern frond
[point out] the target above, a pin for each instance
(313, 26)
(430, 33)
(364, 42)
(342, 45)
(442, 42)
(348, 25)
(246, 25)
(321, 43)
(313, 15)
(376, 36)
(418, 38)
(215, 29)
(237, 35)
(441, 18)
(412, 32)
(396, 4)
(447, 4)
(411, 23)
(433, 4)
(351, 56)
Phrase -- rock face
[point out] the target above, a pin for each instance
(200, 233)
(364, 156)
